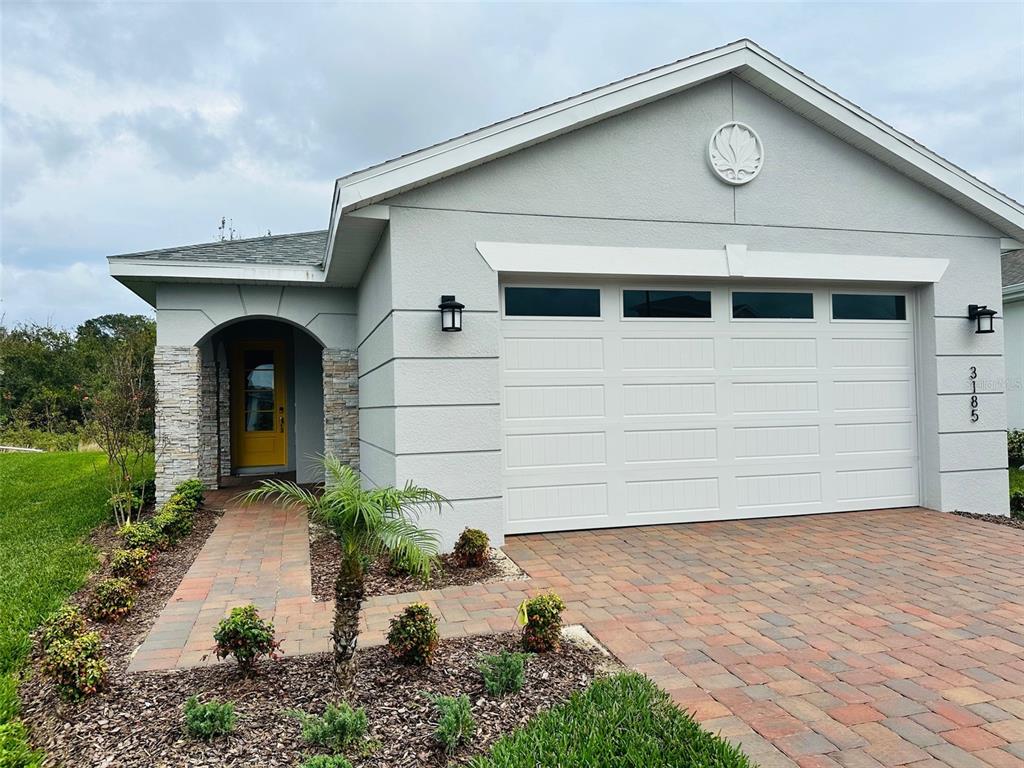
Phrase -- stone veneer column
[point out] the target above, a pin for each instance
(176, 373)
(341, 405)
(209, 447)
(224, 417)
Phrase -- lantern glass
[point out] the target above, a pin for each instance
(451, 314)
(983, 317)
(985, 323)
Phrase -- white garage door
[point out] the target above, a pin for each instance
(632, 404)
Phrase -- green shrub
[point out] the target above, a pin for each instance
(471, 548)
(141, 535)
(23, 436)
(455, 723)
(173, 522)
(193, 490)
(204, 720)
(1015, 447)
(247, 637)
(145, 490)
(412, 637)
(76, 666)
(338, 727)
(15, 751)
(1017, 504)
(503, 672)
(111, 599)
(620, 720)
(66, 624)
(326, 761)
(543, 628)
(136, 564)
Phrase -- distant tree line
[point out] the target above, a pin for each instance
(53, 382)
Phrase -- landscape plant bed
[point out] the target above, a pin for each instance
(1013, 522)
(137, 721)
(325, 560)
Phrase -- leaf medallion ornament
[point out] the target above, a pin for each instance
(736, 153)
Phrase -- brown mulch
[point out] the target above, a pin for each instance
(325, 560)
(137, 722)
(1013, 522)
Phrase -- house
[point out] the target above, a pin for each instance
(1013, 307)
(712, 290)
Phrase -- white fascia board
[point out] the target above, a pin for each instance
(199, 271)
(1009, 244)
(730, 261)
(1012, 293)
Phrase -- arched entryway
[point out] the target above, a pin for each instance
(269, 399)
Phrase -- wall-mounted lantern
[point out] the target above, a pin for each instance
(982, 315)
(451, 314)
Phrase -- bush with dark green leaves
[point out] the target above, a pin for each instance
(246, 636)
(1015, 447)
(455, 723)
(111, 600)
(543, 629)
(412, 637)
(624, 720)
(471, 548)
(173, 522)
(66, 623)
(144, 535)
(204, 720)
(1017, 504)
(136, 564)
(338, 727)
(503, 672)
(76, 666)
(326, 761)
(193, 490)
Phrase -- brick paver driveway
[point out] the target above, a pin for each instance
(861, 639)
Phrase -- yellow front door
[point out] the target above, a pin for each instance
(260, 428)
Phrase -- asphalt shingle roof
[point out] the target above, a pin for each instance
(302, 249)
(1013, 268)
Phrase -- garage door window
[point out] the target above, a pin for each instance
(868, 306)
(666, 304)
(772, 305)
(552, 302)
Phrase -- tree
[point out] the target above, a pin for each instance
(120, 415)
(368, 523)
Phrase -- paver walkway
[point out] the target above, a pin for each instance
(871, 639)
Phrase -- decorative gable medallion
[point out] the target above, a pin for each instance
(736, 153)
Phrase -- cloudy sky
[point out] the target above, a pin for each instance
(130, 126)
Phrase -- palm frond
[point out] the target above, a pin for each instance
(282, 491)
(416, 548)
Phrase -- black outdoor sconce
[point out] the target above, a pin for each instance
(451, 314)
(982, 315)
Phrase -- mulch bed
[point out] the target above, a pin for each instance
(137, 722)
(1013, 522)
(325, 560)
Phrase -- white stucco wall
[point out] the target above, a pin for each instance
(1014, 343)
(641, 179)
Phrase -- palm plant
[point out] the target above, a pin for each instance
(368, 523)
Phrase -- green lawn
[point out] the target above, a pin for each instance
(618, 722)
(48, 503)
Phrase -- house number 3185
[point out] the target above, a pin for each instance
(974, 395)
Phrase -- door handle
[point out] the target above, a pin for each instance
(281, 421)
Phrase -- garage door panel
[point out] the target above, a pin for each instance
(771, 353)
(645, 446)
(668, 354)
(774, 397)
(615, 422)
(548, 354)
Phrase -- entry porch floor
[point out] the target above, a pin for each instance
(882, 638)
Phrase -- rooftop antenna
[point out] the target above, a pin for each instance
(226, 229)
(221, 228)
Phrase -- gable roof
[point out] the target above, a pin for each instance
(346, 255)
(1013, 269)
(299, 249)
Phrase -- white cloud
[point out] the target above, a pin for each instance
(63, 296)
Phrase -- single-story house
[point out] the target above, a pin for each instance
(712, 290)
(1013, 307)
